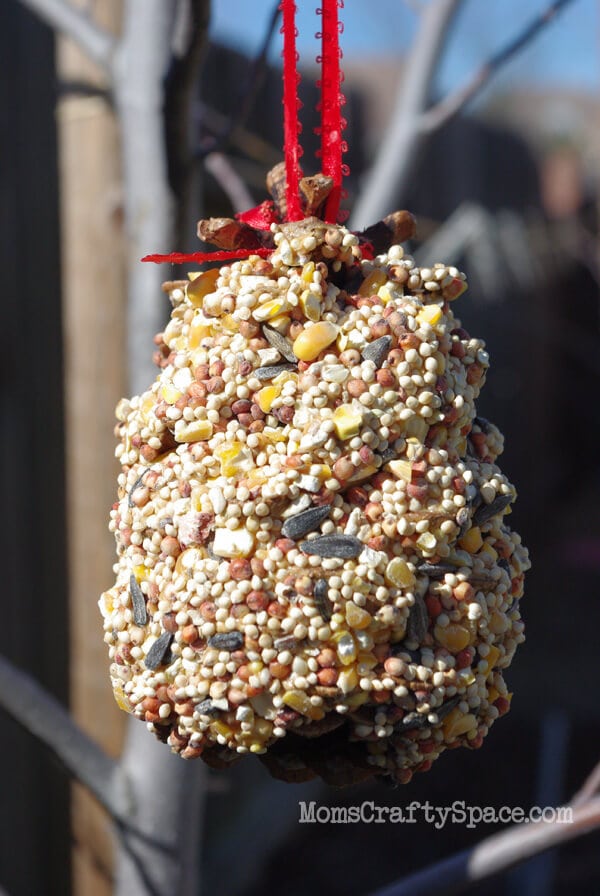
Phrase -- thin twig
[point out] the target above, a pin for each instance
(255, 80)
(98, 43)
(447, 108)
(47, 720)
(229, 180)
(387, 181)
(495, 854)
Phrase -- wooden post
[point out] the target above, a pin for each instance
(93, 321)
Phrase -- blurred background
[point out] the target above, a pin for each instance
(508, 191)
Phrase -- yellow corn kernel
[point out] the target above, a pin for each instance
(456, 724)
(356, 617)
(398, 573)
(453, 637)
(271, 308)
(122, 700)
(170, 393)
(234, 458)
(263, 728)
(488, 549)
(492, 657)
(471, 540)
(229, 324)
(384, 294)
(372, 282)
(347, 420)
(200, 328)
(139, 573)
(362, 473)
(255, 667)
(357, 699)
(281, 323)
(286, 376)
(147, 405)
(430, 314)
(300, 701)
(348, 680)
(312, 340)
(493, 694)
(365, 662)
(266, 396)
(427, 541)
(498, 623)
(219, 727)
(106, 603)
(310, 304)
(196, 431)
(321, 471)
(188, 560)
(308, 271)
(201, 285)
(401, 468)
(416, 427)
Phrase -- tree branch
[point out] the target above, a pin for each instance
(388, 178)
(229, 180)
(447, 108)
(95, 41)
(495, 854)
(47, 720)
(589, 788)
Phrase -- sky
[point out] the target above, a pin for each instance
(564, 54)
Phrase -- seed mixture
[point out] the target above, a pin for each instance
(314, 557)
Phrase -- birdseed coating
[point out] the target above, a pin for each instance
(314, 562)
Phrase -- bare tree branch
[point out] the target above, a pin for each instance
(95, 41)
(589, 788)
(254, 82)
(229, 180)
(447, 108)
(47, 720)
(388, 178)
(495, 854)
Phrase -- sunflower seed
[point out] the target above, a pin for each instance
(322, 602)
(447, 707)
(418, 620)
(377, 351)
(435, 570)
(157, 655)
(341, 546)
(135, 485)
(463, 521)
(483, 424)
(305, 521)
(386, 455)
(206, 708)
(227, 641)
(503, 564)
(486, 511)
(414, 720)
(272, 370)
(287, 642)
(283, 345)
(140, 616)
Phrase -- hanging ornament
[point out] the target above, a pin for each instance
(314, 557)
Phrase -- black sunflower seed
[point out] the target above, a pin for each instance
(463, 521)
(414, 720)
(135, 485)
(272, 370)
(486, 511)
(378, 350)
(387, 454)
(298, 525)
(503, 564)
(322, 602)
(483, 424)
(341, 546)
(435, 570)
(283, 345)
(227, 641)
(447, 707)
(287, 642)
(206, 708)
(157, 655)
(140, 616)
(418, 620)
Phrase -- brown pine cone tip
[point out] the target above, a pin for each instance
(314, 562)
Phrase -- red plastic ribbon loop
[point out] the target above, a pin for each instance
(332, 99)
(291, 104)
(203, 257)
(261, 216)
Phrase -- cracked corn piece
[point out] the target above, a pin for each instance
(312, 521)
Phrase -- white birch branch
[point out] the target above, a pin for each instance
(389, 176)
(495, 854)
(97, 43)
(452, 104)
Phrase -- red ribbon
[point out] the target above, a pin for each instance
(202, 257)
(332, 100)
(291, 104)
